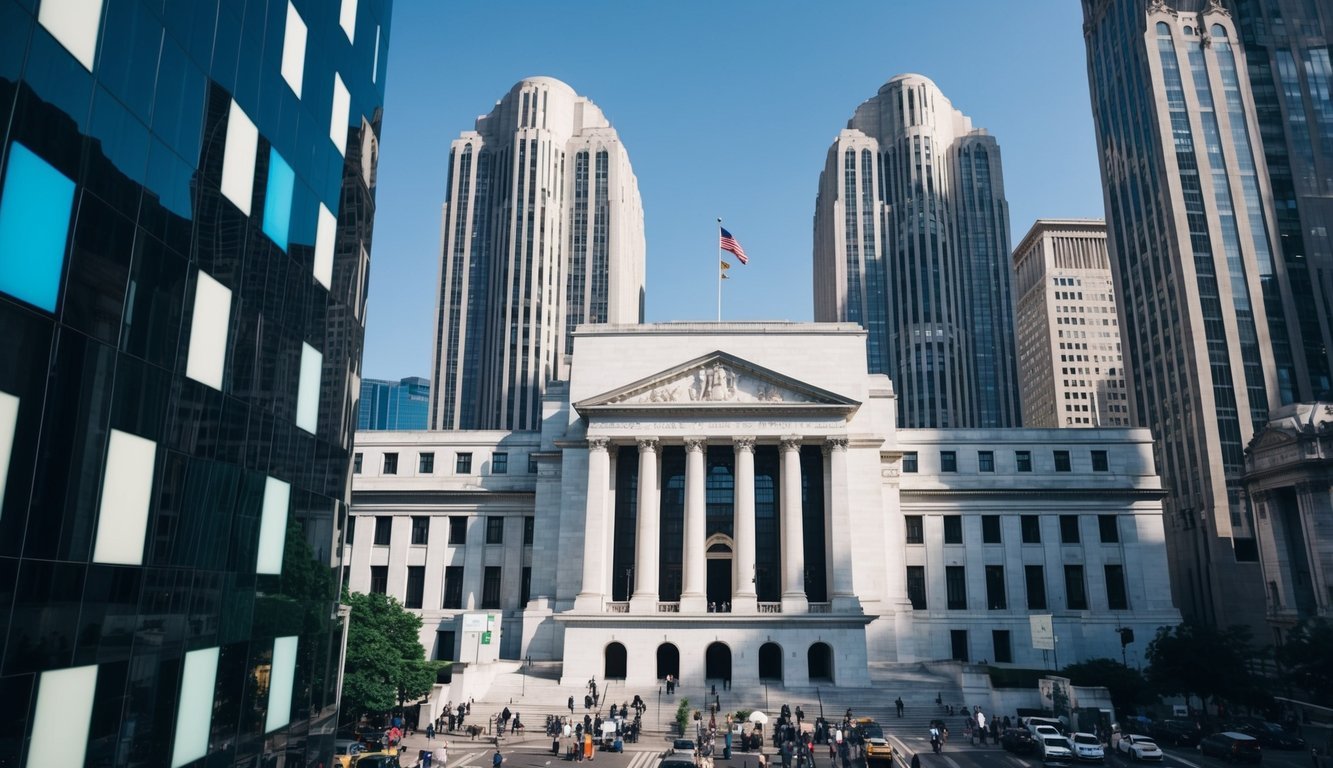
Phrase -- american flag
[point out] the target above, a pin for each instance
(729, 243)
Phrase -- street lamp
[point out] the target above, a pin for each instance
(659, 707)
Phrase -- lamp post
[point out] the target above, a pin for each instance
(659, 707)
(629, 582)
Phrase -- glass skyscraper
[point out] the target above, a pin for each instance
(186, 201)
(403, 404)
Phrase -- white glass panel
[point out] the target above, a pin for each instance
(307, 394)
(280, 683)
(342, 103)
(208, 332)
(273, 526)
(348, 19)
(238, 159)
(325, 232)
(194, 713)
(9, 418)
(60, 722)
(293, 50)
(375, 68)
(73, 23)
(127, 487)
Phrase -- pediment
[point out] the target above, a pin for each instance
(718, 381)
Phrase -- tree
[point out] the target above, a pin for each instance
(386, 665)
(1194, 660)
(1306, 659)
(1126, 685)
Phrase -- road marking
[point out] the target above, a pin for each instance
(1182, 760)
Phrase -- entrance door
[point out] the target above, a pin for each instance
(668, 661)
(719, 582)
(717, 662)
(616, 662)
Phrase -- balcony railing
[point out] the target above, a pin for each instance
(617, 607)
(820, 608)
(770, 607)
(668, 607)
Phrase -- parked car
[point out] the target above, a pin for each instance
(344, 750)
(1058, 725)
(682, 747)
(1045, 730)
(1087, 747)
(1139, 747)
(877, 747)
(1232, 746)
(375, 760)
(1017, 740)
(1055, 748)
(1269, 734)
(677, 761)
(1181, 733)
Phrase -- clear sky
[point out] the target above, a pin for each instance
(727, 108)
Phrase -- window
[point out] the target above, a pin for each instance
(525, 588)
(351, 533)
(948, 461)
(463, 464)
(1023, 460)
(1000, 641)
(383, 530)
(356, 463)
(529, 527)
(909, 461)
(1068, 529)
(499, 464)
(995, 599)
(955, 582)
(1109, 529)
(1100, 462)
(1061, 461)
(1036, 585)
(390, 463)
(990, 529)
(379, 579)
(916, 586)
(1116, 599)
(34, 221)
(953, 529)
(416, 584)
(1075, 595)
(453, 587)
(495, 530)
(532, 464)
(1031, 529)
(426, 464)
(420, 529)
(457, 530)
(490, 587)
(915, 532)
(444, 645)
(958, 644)
(986, 461)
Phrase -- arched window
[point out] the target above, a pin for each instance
(668, 661)
(1189, 30)
(1218, 30)
(1163, 29)
(770, 662)
(820, 661)
(616, 662)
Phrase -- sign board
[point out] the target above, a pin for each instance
(474, 622)
(1043, 634)
(486, 637)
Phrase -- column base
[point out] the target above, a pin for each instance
(589, 602)
(795, 602)
(643, 604)
(744, 604)
(693, 604)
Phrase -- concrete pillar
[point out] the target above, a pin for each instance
(693, 595)
(743, 598)
(647, 538)
(595, 556)
(793, 528)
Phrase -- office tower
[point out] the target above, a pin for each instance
(1211, 299)
(186, 202)
(912, 242)
(542, 230)
(1070, 368)
(394, 405)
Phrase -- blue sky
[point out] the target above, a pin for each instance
(727, 109)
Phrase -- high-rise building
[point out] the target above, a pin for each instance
(394, 405)
(1211, 296)
(912, 242)
(186, 204)
(542, 230)
(1069, 359)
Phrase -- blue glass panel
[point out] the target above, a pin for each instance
(278, 199)
(34, 223)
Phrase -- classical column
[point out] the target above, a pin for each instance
(647, 538)
(595, 555)
(742, 576)
(839, 527)
(693, 593)
(793, 534)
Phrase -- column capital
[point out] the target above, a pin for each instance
(647, 444)
(743, 443)
(837, 443)
(693, 444)
(790, 442)
(598, 443)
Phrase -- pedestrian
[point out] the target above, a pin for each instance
(571, 705)
(440, 757)
(587, 746)
(430, 732)
(497, 759)
(899, 705)
(517, 724)
(587, 701)
(423, 758)
(935, 739)
(916, 760)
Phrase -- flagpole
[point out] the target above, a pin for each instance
(719, 269)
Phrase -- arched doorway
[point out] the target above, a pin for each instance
(718, 555)
(668, 661)
(770, 662)
(717, 662)
(616, 662)
(820, 660)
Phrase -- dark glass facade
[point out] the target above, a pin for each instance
(185, 223)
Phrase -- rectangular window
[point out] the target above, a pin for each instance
(529, 528)
(909, 461)
(532, 464)
(390, 463)
(1068, 529)
(499, 464)
(948, 461)
(207, 356)
(379, 579)
(1109, 528)
(1076, 597)
(525, 588)
(420, 529)
(444, 645)
(1031, 529)
(955, 582)
(1004, 653)
(490, 587)
(986, 461)
(1036, 584)
(995, 597)
(916, 586)
(1116, 599)
(307, 390)
(453, 587)
(1023, 460)
(278, 199)
(383, 530)
(953, 529)
(463, 464)
(990, 529)
(495, 530)
(457, 530)
(916, 534)
(426, 464)
(356, 463)
(1061, 461)
(416, 584)
(958, 644)
(1099, 462)
(238, 158)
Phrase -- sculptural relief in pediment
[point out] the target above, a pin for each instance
(715, 382)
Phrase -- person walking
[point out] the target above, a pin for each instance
(430, 731)
(899, 705)
(935, 739)
(571, 705)
(497, 759)
(916, 760)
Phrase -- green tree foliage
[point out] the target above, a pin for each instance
(1307, 659)
(1193, 660)
(386, 665)
(1127, 686)
(683, 716)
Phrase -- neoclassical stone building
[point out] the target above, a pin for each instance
(734, 501)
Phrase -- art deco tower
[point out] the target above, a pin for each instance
(912, 242)
(542, 230)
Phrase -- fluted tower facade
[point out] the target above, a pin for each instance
(911, 240)
(542, 230)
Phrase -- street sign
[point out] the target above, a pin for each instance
(1043, 634)
(486, 637)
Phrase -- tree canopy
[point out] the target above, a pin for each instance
(1306, 659)
(1127, 686)
(1194, 660)
(386, 665)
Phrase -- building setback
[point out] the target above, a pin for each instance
(911, 241)
(185, 222)
(542, 230)
(402, 404)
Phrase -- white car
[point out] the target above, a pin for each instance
(1045, 730)
(1054, 748)
(1139, 748)
(1088, 747)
